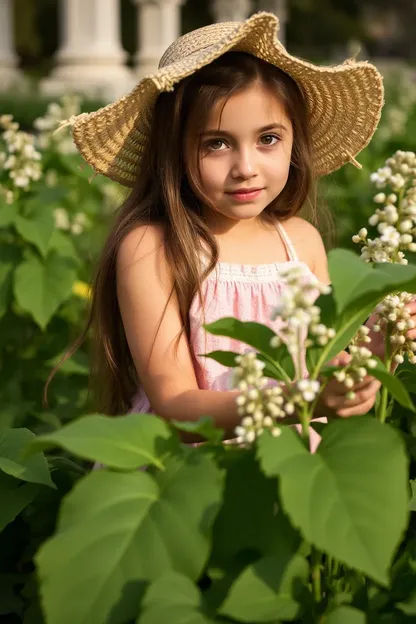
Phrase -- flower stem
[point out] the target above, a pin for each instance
(304, 421)
(384, 394)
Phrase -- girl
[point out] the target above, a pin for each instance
(221, 147)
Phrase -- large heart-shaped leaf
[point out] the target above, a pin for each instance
(34, 469)
(173, 598)
(41, 286)
(117, 528)
(264, 592)
(123, 442)
(350, 498)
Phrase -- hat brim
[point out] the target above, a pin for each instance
(344, 102)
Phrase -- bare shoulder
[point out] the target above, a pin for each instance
(309, 245)
(301, 231)
(143, 241)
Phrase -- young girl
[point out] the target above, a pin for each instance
(221, 148)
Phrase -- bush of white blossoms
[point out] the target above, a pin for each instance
(395, 221)
(260, 403)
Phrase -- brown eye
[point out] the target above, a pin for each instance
(270, 139)
(215, 145)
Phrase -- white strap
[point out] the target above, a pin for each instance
(291, 252)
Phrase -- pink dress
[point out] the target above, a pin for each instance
(246, 292)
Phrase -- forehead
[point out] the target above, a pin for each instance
(254, 106)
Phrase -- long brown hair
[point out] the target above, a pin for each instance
(163, 194)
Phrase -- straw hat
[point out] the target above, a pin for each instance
(344, 101)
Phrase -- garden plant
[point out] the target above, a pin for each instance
(258, 530)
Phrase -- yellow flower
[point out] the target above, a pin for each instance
(81, 289)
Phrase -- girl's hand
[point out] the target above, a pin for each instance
(333, 399)
(411, 308)
(377, 344)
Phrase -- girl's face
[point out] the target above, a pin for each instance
(245, 154)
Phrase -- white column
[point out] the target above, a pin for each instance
(279, 8)
(9, 74)
(159, 25)
(231, 10)
(91, 59)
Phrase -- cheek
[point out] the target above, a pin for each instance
(211, 177)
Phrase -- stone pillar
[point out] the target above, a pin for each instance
(279, 8)
(9, 74)
(231, 10)
(91, 59)
(159, 25)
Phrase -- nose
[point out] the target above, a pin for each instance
(244, 164)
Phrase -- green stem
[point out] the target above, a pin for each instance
(305, 420)
(384, 394)
(382, 411)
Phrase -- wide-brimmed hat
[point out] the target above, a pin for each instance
(344, 101)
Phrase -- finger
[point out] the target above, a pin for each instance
(367, 393)
(356, 410)
(411, 307)
(411, 334)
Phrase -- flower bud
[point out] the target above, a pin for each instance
(380, 198)
(363, 233)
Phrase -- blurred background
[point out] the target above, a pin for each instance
(58, 58)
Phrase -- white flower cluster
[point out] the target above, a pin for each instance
(396, 220)
(396, 224)
(392, 313)
(63, 221)
(258, 406)
(295, 307)
(357, 368)
(68, 106)
(21, 160)
(261, 407)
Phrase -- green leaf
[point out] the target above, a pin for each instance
(14, 496)
(41, 287)
(122, 442)
(227, 358)
(204, 427)
(5, 287)
(412, 503)
(175, 599)
(256, 335)
(350, 498)
(7, 214)
(265, 590)
(247, 520)
(117, 528)
(345, 615)
(394, 385)
(62, 244)
(37, 229)
(34, 469)
(77, 364)
(371, 282)
(343, 264)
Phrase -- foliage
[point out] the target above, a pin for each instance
(260, 532)
(52, 224)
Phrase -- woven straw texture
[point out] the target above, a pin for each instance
(344, 101)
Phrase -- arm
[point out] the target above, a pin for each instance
(144, 285)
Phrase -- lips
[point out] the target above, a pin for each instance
(245, 194)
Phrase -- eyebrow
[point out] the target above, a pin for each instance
(272, 126)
